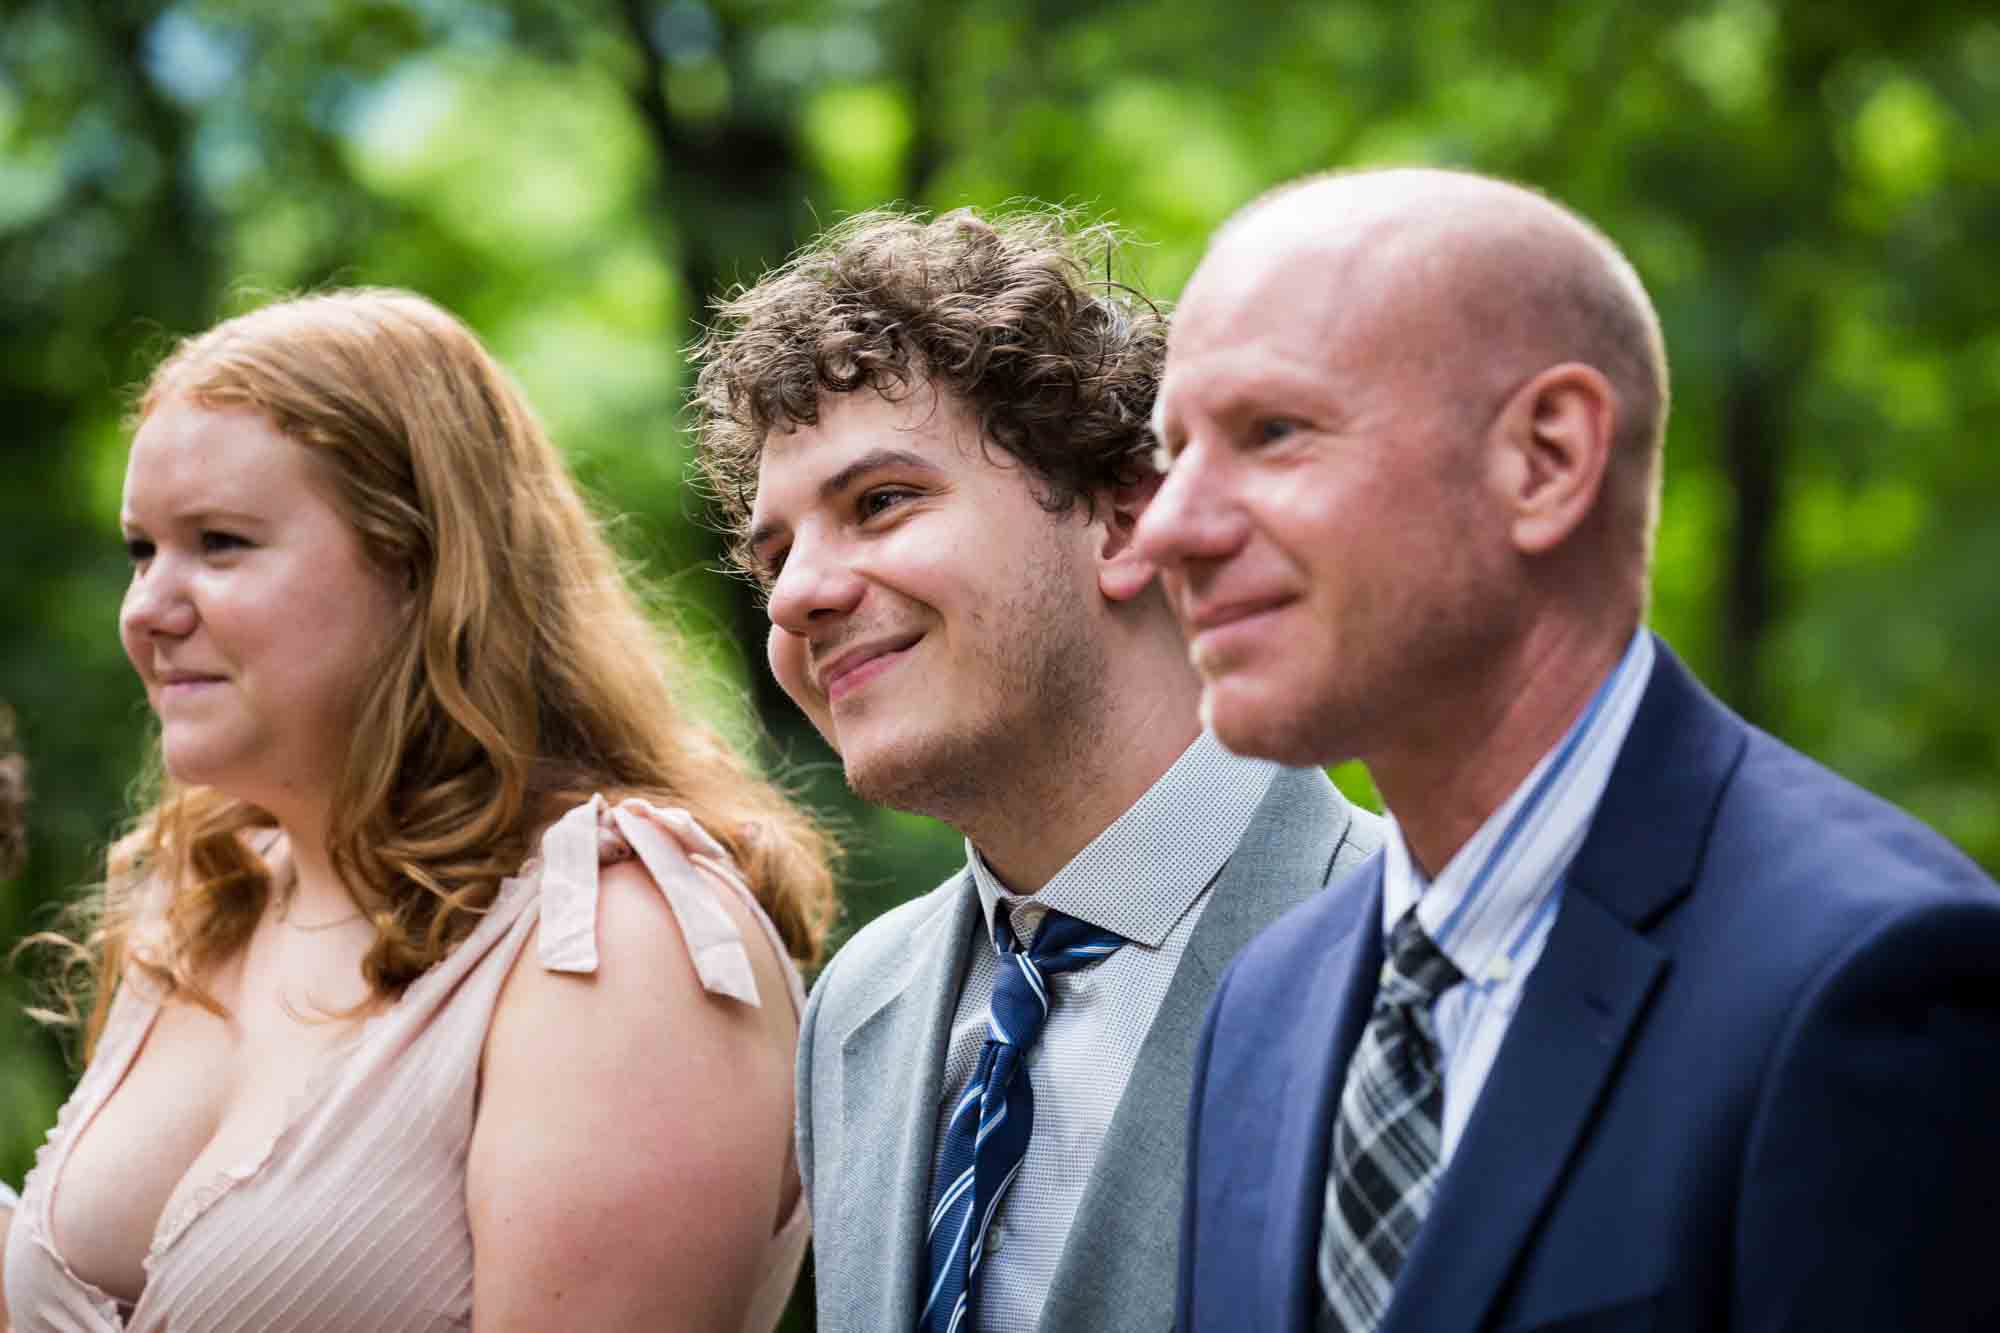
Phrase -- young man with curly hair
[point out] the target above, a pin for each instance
(928, 439)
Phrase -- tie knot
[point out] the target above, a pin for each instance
(1021, 991)
(1417, 972)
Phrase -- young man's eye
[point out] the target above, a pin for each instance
(214, 542)
(881, 499)
(138, 550)
(765, 566)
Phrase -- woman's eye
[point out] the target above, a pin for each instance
(138, 550)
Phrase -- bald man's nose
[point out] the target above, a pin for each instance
(1191, 517)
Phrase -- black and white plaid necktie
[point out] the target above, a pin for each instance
(1387, 1139)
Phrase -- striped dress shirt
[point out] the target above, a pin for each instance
(1147, 877)
(1491, 907)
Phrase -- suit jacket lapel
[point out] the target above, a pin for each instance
(1315, 1049)
(892, 1071)
(1117, 1268)
(1581, 1008)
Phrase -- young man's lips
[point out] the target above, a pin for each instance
(853, 669)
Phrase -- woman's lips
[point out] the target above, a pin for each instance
(186, 686)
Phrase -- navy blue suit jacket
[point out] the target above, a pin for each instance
(1753, 1084)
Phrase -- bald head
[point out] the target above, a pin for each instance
(1409, 425)
(1478, 285)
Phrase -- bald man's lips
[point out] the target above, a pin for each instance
(855, 666)
(1213, 627)
(1218, 615)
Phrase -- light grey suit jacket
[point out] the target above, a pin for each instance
(871, 1064)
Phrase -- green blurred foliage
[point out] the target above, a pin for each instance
(1810, 190)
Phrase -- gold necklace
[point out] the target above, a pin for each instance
(286, 921)
(290, 897)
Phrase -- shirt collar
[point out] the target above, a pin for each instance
(1501, 884)
(1143, 872)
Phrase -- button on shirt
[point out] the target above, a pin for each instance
(1146, 877)
(1491, 907)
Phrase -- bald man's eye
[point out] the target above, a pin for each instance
(1270, 430)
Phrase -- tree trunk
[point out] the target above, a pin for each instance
(1751, 448)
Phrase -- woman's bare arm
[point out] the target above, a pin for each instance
(632, 1154)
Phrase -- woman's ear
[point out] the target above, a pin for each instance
(1121, 574)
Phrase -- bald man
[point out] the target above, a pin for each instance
(1641, 1020)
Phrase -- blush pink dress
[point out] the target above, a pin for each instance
(353, 1218)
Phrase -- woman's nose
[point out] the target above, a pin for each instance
(157, 602)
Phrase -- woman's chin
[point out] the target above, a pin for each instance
(195, 765)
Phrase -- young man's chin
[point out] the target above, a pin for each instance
(917, 773)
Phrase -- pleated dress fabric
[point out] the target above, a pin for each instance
(353, 1218)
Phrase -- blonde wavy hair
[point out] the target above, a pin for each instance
(526, 678)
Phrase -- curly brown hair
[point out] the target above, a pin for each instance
(1008, 313)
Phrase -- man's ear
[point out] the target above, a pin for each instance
(1551, 448)
(1121, 574)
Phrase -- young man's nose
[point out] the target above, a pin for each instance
(813, 585)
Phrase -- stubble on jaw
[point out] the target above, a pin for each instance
(1037, 725)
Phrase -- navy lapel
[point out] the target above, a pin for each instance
(1652, 826)
(892, 1073)
(1339, 996)
(1581, 1009)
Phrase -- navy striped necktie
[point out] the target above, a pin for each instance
(988, 1133)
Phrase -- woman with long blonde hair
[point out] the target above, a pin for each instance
(452, 977)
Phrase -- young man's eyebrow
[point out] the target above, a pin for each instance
(837, 482)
